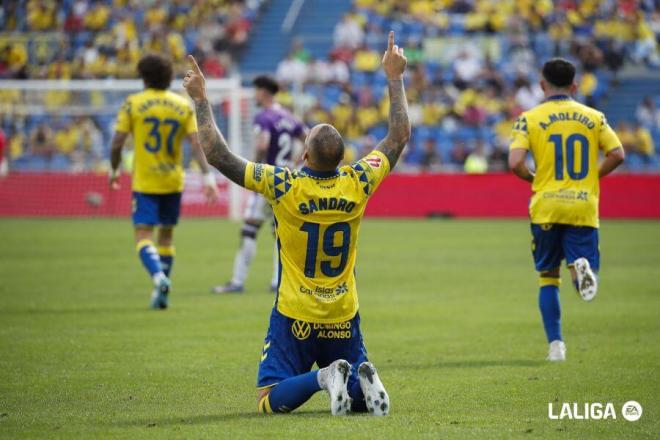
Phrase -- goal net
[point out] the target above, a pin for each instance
(57, 138)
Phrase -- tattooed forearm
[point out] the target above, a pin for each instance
(398, 133)
(215, 147)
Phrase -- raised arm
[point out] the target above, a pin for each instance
(398, 133)
(213, 143)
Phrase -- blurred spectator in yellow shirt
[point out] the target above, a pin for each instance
(97, 17)
(317, 114)
(41, 15)
(366, 59)
(626, 136)
(476, 162)
(367, 117)
(644, 142)
(342, 112)
(155, 16)
(67, 139)
(17, 58)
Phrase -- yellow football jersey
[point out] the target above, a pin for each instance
(317, 218)
(564, 138)
(158, 121)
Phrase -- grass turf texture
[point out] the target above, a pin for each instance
(449, 312)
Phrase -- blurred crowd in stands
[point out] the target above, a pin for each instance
(473, 68)
(82, 39)
(48, 39)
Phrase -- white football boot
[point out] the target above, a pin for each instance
(586, 279)
(557, 351)
(334, 379)
(378, 402)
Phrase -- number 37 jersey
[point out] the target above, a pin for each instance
(317, 218)
(564, 138)
(158, 120)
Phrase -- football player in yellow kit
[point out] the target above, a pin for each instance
(159, 121)
(564, 138)
(318, 211)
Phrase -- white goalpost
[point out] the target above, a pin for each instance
(24, 104)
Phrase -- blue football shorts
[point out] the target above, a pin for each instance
(552, 243)
(156, 209)
(292, 347)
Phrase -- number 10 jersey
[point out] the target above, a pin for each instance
(317, 218)
(564, 138)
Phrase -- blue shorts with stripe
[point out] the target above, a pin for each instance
(292, 347)
(554, 242)
(156, 209)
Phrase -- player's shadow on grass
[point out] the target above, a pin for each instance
(471, 364)
(217, 418)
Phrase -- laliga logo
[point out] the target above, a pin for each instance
(630, 411)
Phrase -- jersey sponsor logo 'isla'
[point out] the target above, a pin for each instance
(326, 294)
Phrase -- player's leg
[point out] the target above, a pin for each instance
(248, 246)
(168, 216)
(145, 216)
(147, 251)
(169, 207)
(151, 261)
(583, 258)
(285, 381)
(166, 250)
(365, 389)
(244, 257)
(548, 253)
(166, 253)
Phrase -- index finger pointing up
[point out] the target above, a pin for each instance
(193, 64)
(390, 42)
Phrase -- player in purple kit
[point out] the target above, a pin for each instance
(276, 129)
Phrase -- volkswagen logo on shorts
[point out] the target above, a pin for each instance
(301, 329)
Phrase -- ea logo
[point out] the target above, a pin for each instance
(301, 329)
(631, 411)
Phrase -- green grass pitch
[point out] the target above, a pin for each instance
(449, 313)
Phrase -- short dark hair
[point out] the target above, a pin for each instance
(559, 72)
(326, 147)
(267, 83)
(156, 71)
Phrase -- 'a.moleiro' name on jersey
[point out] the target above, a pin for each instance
(564, 138)
(567, 116)
(317, 218)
